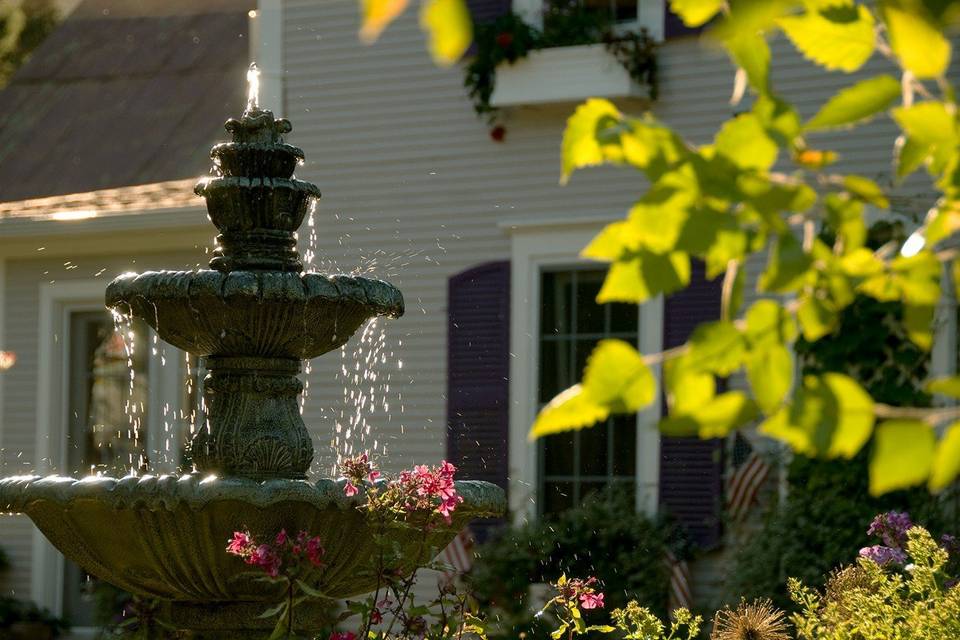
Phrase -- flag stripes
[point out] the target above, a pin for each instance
(744, 485)
(679, 593)
(458, 555)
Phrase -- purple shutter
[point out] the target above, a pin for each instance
(691, 469)
(673, 26)
(487, 10)
(478, 366)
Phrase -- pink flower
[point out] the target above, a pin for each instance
(281, 538)
(265, 558)
(373, 476)
(315, 551)
(240, 544)
(351, 490)
(591, 600)
(343, 635)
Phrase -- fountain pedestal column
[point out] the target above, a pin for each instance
(254, 428)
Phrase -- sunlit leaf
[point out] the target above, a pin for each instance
(687, 386)
(695, 13)
(835, 38)
(845, 216)
(643, 275)
(918, 323)
(948, 386)
(910, 155)
(617, 377)
(449, 28)
(752, 54)
(916, 41)
(376, 15)
(931, 131)
(659, 217)
(770, 373)
(713, 419)
(945, 223)
(902, 455)
(768, 323)
(866, 189)
(580, 147)
(717, 347)
(786, 266)
(571, 409)
(779, 118)
(946, 459)
(856, 104)
(744, 141)
(830, 416)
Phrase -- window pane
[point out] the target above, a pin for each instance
(593, 450)
(589, 313)
(624, 318)
(555, 296)
(589, 489)
(624, 445)
(558, 454)
(584, 349)
(557, 496)
(556, 371)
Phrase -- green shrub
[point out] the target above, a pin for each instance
(604, 537)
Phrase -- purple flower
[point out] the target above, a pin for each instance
(950, 543)
(883, 555)
(891, 527)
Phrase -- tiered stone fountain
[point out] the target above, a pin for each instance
(254, 316)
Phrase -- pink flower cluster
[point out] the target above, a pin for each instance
(343, 635)
(578, 591)
(422, 489)
(427, 488)
(358, 470)
(271, 557)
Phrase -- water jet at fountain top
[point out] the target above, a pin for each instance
(254, 316)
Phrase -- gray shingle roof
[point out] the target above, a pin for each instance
(123, 93)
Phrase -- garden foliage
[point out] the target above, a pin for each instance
(761, 187)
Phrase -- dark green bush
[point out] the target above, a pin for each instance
(604, 537)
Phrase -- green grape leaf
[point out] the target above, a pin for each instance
(612, 241)
(751, 53)
(836, 38)
(639, 276)
(786, 267)
(866, 189)
(713, 419)
(927, 122)
(659, 217)
(449, 28)
(571, 409)
(856, 104)
(918, 322)
(617, 377)
(687, 387)
(915, 39)
(830, 416)
(695, 13)
(845, 216)
(745, 142)
(902, 455)
(717, 347)
(910, 154)
(768, 323)
(949, 386)
(770, 374)
(778, 117)
(944, 224)
(581, 146)
(946, 459)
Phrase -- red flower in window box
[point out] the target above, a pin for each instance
(498, 133)
(504, 39)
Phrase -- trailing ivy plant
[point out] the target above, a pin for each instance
(509, 38)
(723, 202)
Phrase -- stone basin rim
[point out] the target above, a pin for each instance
(170, 492)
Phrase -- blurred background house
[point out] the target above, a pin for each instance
(106, 127)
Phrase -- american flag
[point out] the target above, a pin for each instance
(458, 556)
(679, 594)
(750, 472)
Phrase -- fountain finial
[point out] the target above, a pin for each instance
(253, 87)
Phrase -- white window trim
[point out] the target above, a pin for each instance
(650, 14)
(57, 301)
(534, 246)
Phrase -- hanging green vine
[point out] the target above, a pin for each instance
(509, 39)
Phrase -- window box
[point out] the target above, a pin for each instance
(564, 74)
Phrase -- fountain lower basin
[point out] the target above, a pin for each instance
(165, 536)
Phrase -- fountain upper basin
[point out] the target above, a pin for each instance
(253, 313)
(165, 536)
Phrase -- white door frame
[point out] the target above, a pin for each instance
(57, 301)
(557, 243)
